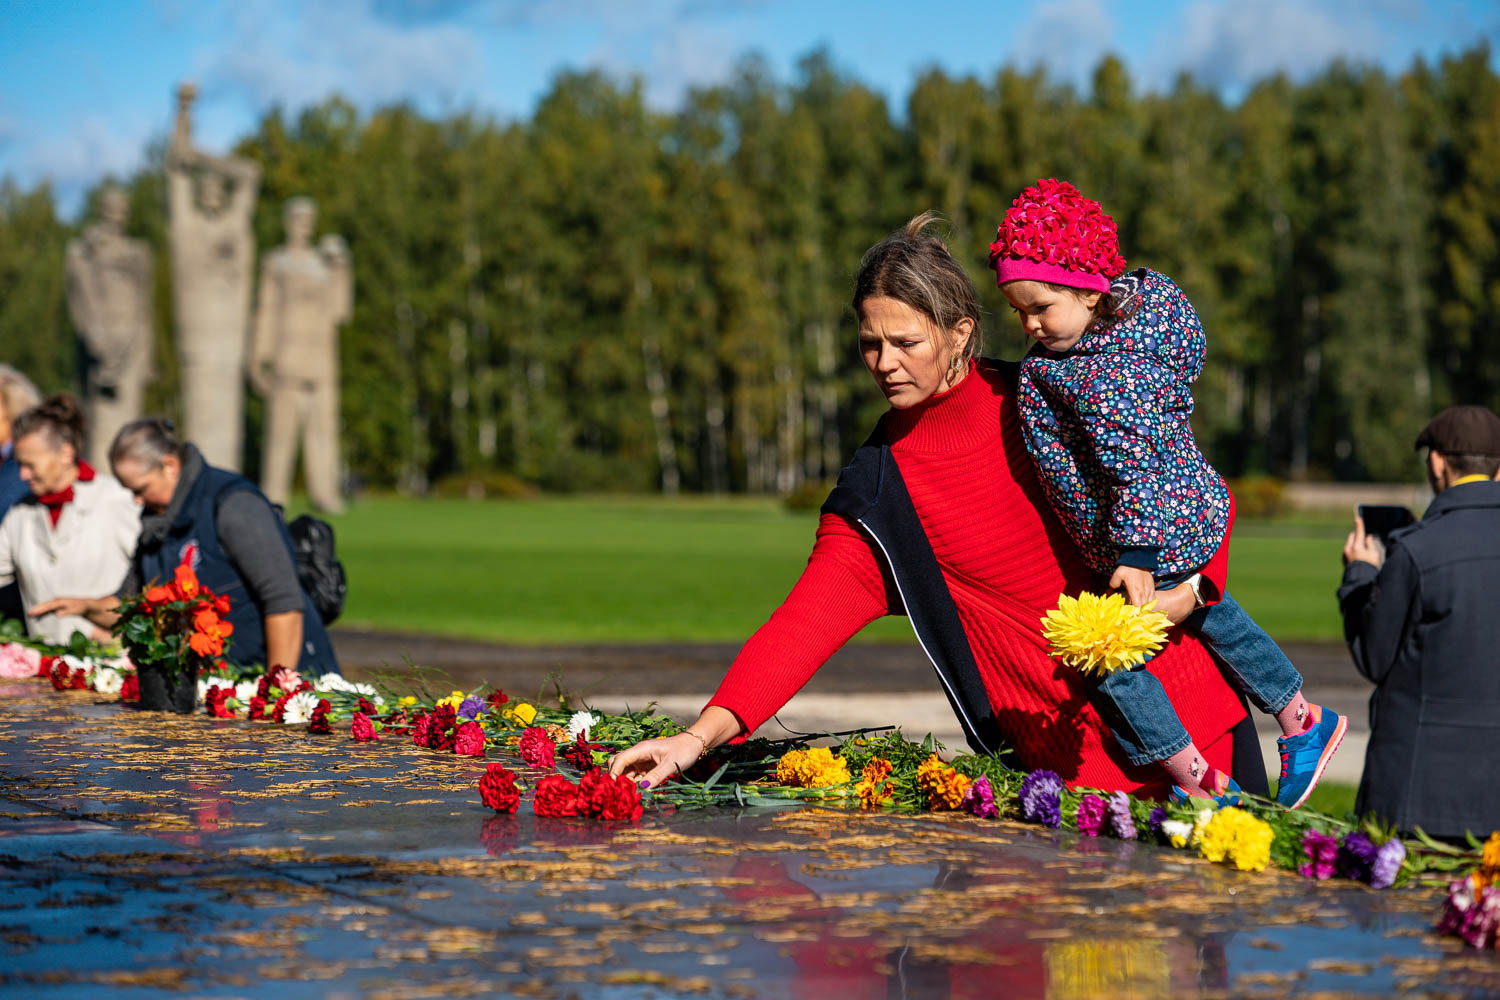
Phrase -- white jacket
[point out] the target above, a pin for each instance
(86, 555)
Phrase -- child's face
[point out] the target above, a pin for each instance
(1056, 320)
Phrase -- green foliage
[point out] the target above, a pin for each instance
(605, 297)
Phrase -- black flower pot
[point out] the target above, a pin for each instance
(158, 694)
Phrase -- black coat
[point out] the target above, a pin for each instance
(1425, 628)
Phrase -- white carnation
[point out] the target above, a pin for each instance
(299, 707)
(107, 680)
(581, 722)
(245, 690)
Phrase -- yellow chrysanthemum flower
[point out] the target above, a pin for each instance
(815, 768)
(521, 713)
(1103, 634)
(407, 702)
(1489, 860)
(944, 786)
(872, 790)
(1237, 837)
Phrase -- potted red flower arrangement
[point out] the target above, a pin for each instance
(172, 633)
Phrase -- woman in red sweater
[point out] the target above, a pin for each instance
(941, 517)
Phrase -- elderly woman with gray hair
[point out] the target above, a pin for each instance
(221, 525)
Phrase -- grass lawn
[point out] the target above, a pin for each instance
(645, 569)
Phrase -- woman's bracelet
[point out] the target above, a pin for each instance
(701, 753)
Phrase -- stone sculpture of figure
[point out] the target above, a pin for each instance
(109, 299)
(305, 293)
(213, 252)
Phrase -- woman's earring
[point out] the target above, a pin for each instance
(956, 368)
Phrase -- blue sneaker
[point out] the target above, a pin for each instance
(1226, 792)
(1305, 756)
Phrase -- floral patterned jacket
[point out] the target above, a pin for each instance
(1107, 425)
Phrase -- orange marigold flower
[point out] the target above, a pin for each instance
(944, 786)
(187, 581)
(872, 790)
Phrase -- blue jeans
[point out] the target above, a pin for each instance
(1142, 717)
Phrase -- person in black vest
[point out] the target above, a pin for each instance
(220, 524)
(1419, 617)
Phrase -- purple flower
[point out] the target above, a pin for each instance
(1322, 850)
(1474, 920)
(980, 799)
(1387, 864)
(1357, 856)
(1121, 823)
(1090, 815)
(1041, 798)
(470, 707)
(1155, 820)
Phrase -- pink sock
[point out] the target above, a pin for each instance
(1298, 717)
(1188, 770)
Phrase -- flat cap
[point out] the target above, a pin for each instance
(1462, 430)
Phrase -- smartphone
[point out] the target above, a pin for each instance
(1382, 519)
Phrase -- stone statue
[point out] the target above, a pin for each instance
(213, 252)
(305, 293)
(109, 300)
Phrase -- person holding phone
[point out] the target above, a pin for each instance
(1420, 619)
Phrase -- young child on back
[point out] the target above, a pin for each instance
(1105, 395)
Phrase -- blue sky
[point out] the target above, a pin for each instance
(88, 85)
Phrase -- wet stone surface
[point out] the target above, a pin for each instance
(143, 854)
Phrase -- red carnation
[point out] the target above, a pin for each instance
(278, 711)
(318, 722)
(497, 698)
(497, 789)
(537, 748)
(608, 798)
(362, 729)
(130, 690)
(366, 707)
(580, 753)
(216, 702)
(469, 740)
(258, 707)
(419, 729)
(440, 734)
(78, 680)
(44, 667)
(555, 796)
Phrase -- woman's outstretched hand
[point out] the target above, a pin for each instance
(655, 761)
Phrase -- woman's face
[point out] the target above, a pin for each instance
(909, 356)
(48, 466)
(153, 488)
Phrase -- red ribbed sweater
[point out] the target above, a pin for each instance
(1006, 558)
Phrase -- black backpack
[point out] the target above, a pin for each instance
(318, 566)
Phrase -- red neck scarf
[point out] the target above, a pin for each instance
(54, 502)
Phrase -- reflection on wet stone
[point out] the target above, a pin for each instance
(141, 854)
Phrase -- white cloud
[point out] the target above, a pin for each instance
(343, 47)
(1068, 38)
(1232, 43)
(75, 158)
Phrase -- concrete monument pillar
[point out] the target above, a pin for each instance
(109, 300)
(213, 252)
(305, 293)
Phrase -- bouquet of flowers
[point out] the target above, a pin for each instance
(174, 632)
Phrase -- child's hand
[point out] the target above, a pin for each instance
(1139, 585)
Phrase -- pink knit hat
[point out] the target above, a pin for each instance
(1053, 233)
